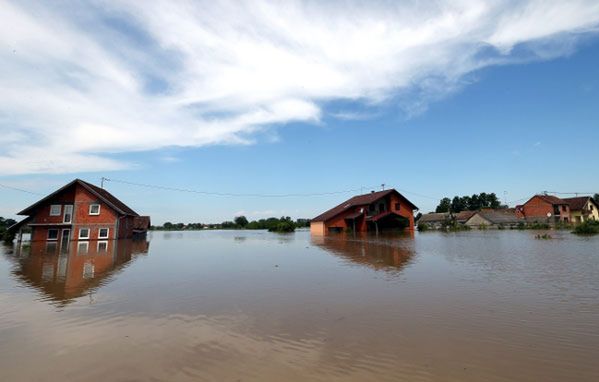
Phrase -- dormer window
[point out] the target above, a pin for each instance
(55, 209)
(94, 209)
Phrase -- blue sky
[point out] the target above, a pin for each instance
(436, 101)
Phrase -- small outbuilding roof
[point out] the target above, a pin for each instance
(434, 217)
(507, 216)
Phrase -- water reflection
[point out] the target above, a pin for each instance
(391, 253)
(65, 272)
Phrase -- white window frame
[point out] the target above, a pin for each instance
(103, 243)
(53, 212)
(107, 233)
(90, 209)
(57, 233)
(84, 237)
(82, 247)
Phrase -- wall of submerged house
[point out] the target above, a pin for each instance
(537, 208)
(349, 221)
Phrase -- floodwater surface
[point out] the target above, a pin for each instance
(258, 306)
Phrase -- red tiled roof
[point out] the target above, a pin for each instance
(104, 195)
(578, 203)
(552, 199)
(462, 217)
(359, 200)
(109, 198)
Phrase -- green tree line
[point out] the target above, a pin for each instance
(469, 203)
(282, 224)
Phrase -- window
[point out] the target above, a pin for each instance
(564, 208)
(102, 246)
(82, 247)
(83, 233)
(397, 206)
(103, 233)
(94, 209)
(55, 209)
(52, 234)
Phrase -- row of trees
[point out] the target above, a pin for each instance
(469, 203)
(282, 224)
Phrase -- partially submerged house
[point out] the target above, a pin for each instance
(490, 218)
(545, 209)
(81, 211)
(435, 220)
(373, 212)
(583, 208)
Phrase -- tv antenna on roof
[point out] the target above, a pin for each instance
(383, 186)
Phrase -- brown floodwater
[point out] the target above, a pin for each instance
(257, 306)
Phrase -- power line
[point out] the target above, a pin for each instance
(19, 189)
(570, 193)
(230, 194)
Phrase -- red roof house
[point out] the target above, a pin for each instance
(81, 211)
(545, 208)
(376, 211)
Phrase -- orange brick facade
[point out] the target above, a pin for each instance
(538, 208)
(362, 217)
(77, 213)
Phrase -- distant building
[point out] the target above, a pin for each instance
(583, 208)
(81, 211)
(493, 218)
(435, 220)
(462, 217)
(375, 212)
(545, 208)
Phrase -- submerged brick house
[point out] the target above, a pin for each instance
(81, 211)
(375, 212)
(545, 208)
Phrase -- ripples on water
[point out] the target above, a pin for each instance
(247, 305)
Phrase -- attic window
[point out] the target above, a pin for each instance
(55, 209)
(94, 209)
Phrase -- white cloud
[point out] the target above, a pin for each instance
(80, 82)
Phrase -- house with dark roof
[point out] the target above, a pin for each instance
(373, 212)
(490, 218)
(435, 220)
(583, 208)
(81, 211)
(546, 209)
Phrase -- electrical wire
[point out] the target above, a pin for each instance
(259, 195)
(19, 189)
(231, 194)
